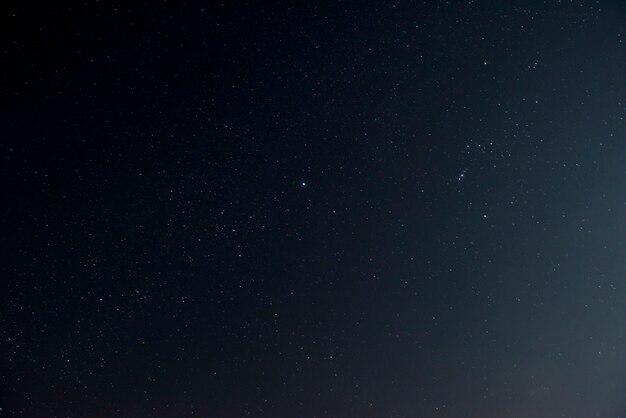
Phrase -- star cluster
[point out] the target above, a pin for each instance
(284, 209)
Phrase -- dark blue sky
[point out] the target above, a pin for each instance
(336, 209)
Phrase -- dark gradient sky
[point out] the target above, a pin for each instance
(305, 209)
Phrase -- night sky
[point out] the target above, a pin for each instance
(313, 209)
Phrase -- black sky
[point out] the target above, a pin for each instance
(313, 209)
